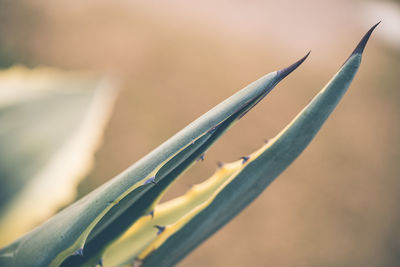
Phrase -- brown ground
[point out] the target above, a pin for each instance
(337, 205)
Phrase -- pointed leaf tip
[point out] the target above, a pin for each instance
(286, 71)
(361, 45)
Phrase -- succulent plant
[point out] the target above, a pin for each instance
(122, 221)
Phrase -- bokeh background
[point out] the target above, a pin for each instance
(338, 204)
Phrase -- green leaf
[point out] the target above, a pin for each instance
(259, 170)
(110, 205)
(117, 221)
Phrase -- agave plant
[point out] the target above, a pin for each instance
(122, 222)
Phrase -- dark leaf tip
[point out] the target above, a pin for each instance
(286, 71)
(361, 45)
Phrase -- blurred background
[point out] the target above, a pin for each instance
(337, 205)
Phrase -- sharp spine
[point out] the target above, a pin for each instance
(201, 158)
(151, 180)
(160, 229)
(78, 252)
(151, 213)
(245, 159)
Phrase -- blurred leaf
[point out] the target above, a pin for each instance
(50, 124)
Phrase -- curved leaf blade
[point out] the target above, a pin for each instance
(135, 207)
(52, 242)
(181, 238)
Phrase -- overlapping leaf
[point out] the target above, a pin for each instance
(91, 223)
(183, 223)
